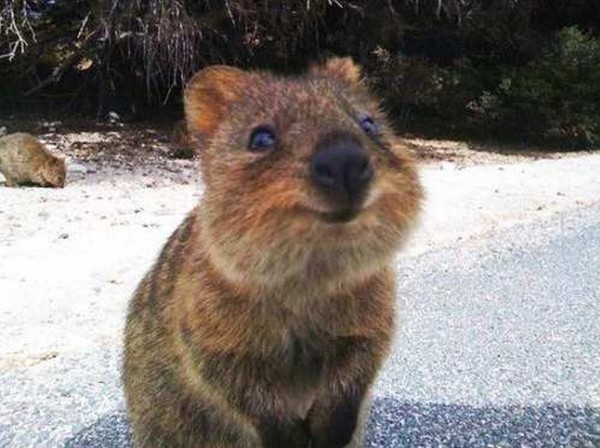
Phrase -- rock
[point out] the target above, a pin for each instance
(113, 117)
(447, 166)
(76, 168)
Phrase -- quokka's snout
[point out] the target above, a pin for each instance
(342, 170)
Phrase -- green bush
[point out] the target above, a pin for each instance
(556, 97)
(424, 96)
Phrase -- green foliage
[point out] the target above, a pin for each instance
(426, 96)
(557, 95)
(554, 98)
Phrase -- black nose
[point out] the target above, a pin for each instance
(341, 167)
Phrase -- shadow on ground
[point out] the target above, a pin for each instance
(395, 424)
(111, 431)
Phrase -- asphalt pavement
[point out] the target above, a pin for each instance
(498, 346)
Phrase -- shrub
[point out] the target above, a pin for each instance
(553, 98)
(421, 93)
(556, 96)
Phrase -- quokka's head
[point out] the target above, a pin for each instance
(54, 172)
(304, 176)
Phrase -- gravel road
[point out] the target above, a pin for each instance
(498, 346)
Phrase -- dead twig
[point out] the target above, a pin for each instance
(71, 60)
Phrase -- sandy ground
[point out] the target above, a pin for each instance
(71, 258)
(467, 203)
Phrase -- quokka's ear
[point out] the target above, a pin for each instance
(208, 96)
(344, 69)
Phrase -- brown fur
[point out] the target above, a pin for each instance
(262, 325)
(25, 161)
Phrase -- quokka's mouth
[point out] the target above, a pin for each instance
(340, 216)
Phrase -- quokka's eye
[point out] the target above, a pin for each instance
(263, 138)
(369, 126)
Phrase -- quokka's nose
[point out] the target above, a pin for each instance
(341, 166)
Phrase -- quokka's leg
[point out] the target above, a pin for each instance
(253, 386)
(335, 420)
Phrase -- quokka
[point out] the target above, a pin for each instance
(268, 313)
(25, 161)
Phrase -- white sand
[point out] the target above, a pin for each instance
(467, 203)
(70, 259)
